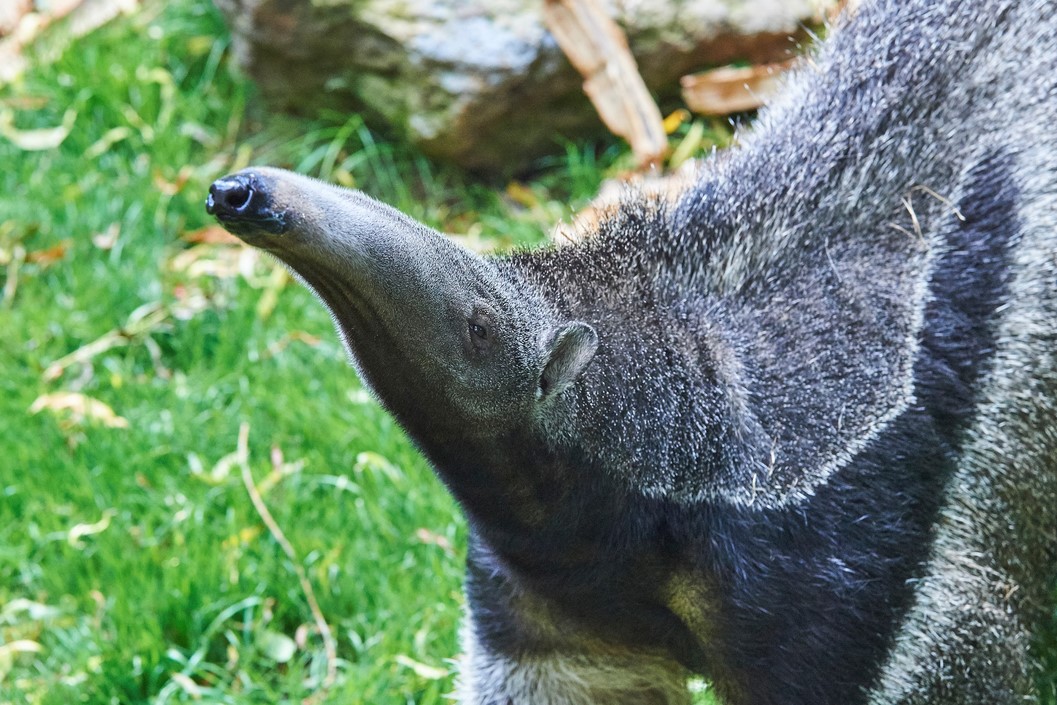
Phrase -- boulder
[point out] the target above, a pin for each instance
(482, 83)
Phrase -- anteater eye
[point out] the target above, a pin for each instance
(479, 331)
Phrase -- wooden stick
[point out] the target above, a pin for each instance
(729, 90)
(598, 49)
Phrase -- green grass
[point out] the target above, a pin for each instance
(175, 592)
(133, 566)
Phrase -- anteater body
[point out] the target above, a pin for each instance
(796, 431)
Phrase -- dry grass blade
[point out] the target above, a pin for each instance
(40, 139)
(20, 26)
(329, 645)
(140, 323)
(80, 407)
(211, 235)
(15, 259)
(596, 46)
(11, 12)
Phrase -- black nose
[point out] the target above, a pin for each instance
(231, 196)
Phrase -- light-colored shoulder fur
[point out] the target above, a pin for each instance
(597, 678)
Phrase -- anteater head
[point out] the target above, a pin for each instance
(450, 342)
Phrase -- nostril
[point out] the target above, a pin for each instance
(229, 197)
(240, 197)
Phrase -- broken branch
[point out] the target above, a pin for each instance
(729, 89)
(598, 49)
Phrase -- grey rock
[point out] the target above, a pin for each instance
(481, 83)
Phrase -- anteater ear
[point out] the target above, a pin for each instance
(571, 348)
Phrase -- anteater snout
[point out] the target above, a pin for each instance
(233, 197)
(243, 203)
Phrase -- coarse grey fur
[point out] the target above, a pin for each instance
(796, 432)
